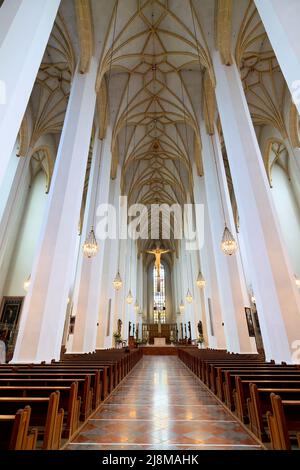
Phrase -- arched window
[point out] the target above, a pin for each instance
(159, 295)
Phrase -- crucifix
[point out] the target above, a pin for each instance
(157, 252)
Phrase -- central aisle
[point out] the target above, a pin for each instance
(162, 405)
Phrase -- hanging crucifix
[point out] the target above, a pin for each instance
(157, 252)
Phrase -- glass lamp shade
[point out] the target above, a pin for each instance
(129, 298)
(117, 282)
(189, 297)
(181, 307)
(136, 306)
(26, 284)
(228, 244)
(200, 281)
(297, 282)
(90, 247)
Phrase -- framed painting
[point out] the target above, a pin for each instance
(10, 311)
(256, 320)
(249, 321)
(9, 315)
(72, 325)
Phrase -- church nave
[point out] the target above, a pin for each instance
(161, 405)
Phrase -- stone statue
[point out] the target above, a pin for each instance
(200, 328)
(119, 326)
(190, 331)
(137, 332)
(157, 252)
(133, 329)
(129, 328)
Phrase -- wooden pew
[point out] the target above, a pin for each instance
(14, 433)
(49, 381)
(45, 416)
(233, 392)
(100, 376)
(283, 422)
(68, 401)
(259, 403)
(85, 384)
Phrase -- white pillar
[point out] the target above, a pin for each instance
(281, 21)
(233, 294)
(44, 310)
(109, 298)
(214, 320)
(85, 300)
(11, 214)
(25, 27)
(273, 282)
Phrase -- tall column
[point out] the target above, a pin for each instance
(281, 22)
(108, 295)
(233, 294)
(11, 214)
(214, 320)
(44, 310)
(277, 298)
(25, 27)
(86, 305)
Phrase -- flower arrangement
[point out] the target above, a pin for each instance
(117, 337)
(200, 339)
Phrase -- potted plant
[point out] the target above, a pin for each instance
(200, 341)
(117, 338)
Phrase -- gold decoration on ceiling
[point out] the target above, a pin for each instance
(294, 126)
(263, 81)
(41, 161)
(209, 103)
(223, 29)
(103, 109)
(275, 152)
(85, 33)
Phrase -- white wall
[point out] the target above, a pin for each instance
(288, 213)
(23, 254)
(8, 180)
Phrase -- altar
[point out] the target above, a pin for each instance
(159, 341)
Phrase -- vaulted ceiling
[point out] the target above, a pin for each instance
(154, 72)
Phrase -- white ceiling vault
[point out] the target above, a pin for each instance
(155, 70)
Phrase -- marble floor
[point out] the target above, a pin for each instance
(161, 405)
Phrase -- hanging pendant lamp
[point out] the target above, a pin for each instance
(181, 307)
(26, 284)
(189, 297)
(201, 282)
(129, 298)
(90, 247)
(228, 244)
(117, 282)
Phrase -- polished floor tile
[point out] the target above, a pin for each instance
(161, 405)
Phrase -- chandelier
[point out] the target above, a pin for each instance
(200, 281)
(228, 244)
(129, 298)
(181, 307)
(117, 282)
(136, 306)
(26, 284)
(90, 247)
(189, 297)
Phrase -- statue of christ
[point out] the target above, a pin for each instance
(157, 252)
